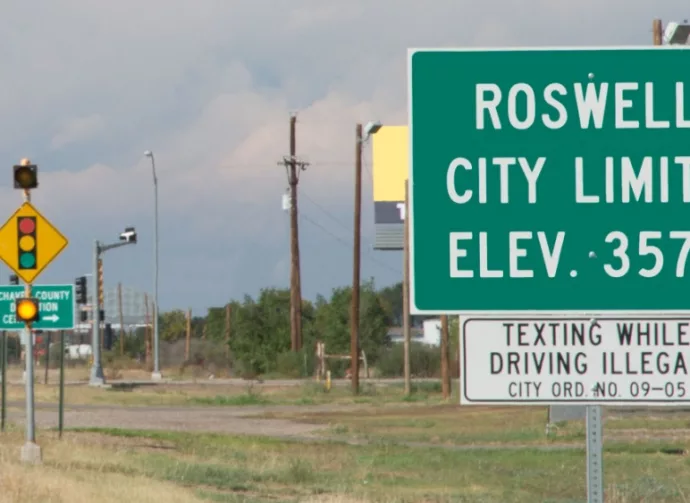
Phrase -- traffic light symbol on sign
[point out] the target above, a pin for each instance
(26, 241)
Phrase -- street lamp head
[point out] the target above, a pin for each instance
(677, 33)
(371, 128)
(148, 153)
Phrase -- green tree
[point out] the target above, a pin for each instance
(332, 322)
(392, 298)
(215, 324)
(173, 325)
(261, 329)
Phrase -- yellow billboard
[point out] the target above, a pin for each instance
(390, 166)
(390, 159)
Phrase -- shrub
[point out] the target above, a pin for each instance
(425, 361)
(290, 364)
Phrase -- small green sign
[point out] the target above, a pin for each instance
(552, 180)
(56, 307)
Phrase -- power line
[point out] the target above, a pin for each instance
(336, 220)
(324, 229)
(326, 212)
(346, 243)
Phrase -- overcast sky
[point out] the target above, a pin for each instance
(208, 85)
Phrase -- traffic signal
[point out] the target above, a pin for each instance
(80, 289)
(14, 279)
(108, 337)
(27, 309)
(25, 176)
(83, 316)
(26, 242)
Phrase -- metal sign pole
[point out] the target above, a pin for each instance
(61, 408)
(31, 452)
(595, 461)
(3, 406)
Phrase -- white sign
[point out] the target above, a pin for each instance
(578, 361)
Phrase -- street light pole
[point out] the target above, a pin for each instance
(128, 237)
(361, 135)
(156, 375)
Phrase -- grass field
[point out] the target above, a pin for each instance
(391, 449)
(136, 466)
(309, 393)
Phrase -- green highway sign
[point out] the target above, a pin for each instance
(56, 307)
(550, 180)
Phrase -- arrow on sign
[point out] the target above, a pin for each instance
(52, 317)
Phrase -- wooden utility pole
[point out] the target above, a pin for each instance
(293, 167)
(657, 32)
(445, 358)
(122, 319)
(406, 293)
(188, 335)
(228, 312)
(356, 251)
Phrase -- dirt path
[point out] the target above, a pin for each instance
(230, 420)
(176, 419)
(243, 420)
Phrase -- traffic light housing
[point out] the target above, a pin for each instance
(14, 279)
(108, 337)
(80, 290)
(25, 176)
(83, 316)
(26, 243)
(26, 309)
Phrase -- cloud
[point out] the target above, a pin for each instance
(78, 129)
(209, 87)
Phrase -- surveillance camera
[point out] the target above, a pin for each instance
(130, 235)
(676, 33)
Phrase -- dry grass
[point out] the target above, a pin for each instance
(61, 479)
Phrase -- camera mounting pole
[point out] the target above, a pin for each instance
(128, 237)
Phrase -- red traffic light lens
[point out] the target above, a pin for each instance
(27, 225)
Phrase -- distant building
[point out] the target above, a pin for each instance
(429, 333)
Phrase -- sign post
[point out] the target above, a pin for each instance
(28, 243)
(551, 182)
